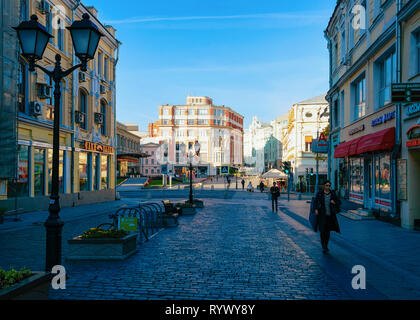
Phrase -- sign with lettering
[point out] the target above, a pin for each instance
(127, 223)
(413, 143)
(357, 129)
(319, 147)
(405, 92)
(412, 109)
(98, 147)
(383, 119)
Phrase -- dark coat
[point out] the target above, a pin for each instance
(322, 216)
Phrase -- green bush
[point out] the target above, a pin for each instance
(98, 233)
(9, 278)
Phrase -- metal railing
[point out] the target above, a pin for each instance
(149, 219)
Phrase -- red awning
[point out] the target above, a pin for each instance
(379, 141)
(342, 150)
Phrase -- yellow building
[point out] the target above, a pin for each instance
(366, 44)
(87, 133)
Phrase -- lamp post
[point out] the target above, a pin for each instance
(33, 39)
(191, 155)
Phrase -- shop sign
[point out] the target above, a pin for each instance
(383, 119)
(412, 109)
(413, 143)
(357, 129)
(98, 147)
(383, 203)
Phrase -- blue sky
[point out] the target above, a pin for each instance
(257, 57)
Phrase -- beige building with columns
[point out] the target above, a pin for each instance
(87, 123)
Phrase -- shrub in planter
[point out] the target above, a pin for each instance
(98, 244)
(9, 278)
(24, 285)
(98, 233)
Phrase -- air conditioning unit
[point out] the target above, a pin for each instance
(36, 108)
(79, 117)
(102, 89)
(99, 118)
(82, 76)
(44, 91)
(43, 6)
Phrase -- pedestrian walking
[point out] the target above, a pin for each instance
(262, 186)
(250, 187)
(243, 184)
(275, 194)
(327, 205)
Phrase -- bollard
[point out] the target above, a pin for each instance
(212, 187)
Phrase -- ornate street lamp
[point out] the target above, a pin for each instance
(196, 152)
(33, 40)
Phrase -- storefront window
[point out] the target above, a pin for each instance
(357, 175)
(22, 187)
(39, 162)
(95, 170)
(60, 171)
(383, 177)
(104, 172)
(83, 171)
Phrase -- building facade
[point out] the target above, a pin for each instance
(408, 167)
(369, 43)
(128, 152)
(219, 130)
(306, 121)
(87, 123)
(261, 148)
(149, 164)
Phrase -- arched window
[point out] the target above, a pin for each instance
(83, 108)
(103, 112)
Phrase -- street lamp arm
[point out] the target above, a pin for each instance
(48, 72)
(67, 72)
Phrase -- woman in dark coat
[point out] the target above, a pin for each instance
(326, 207)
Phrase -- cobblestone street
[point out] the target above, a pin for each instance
(232, 249)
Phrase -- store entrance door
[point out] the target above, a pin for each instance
(369, 184)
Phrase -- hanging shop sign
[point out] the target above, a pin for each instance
(97, 147)
(383, 119)
(405, 92)
(413, 135)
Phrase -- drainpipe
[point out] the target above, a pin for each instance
(396, 151)
(115, 114)
(73, 97)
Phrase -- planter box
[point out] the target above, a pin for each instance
(102, 249)
(199, 204)
(188, 211)
(36, 287)
(169, 221)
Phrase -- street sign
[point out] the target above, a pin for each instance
(127, 223)
(320, 147)
(405, 92)
(224, 170)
